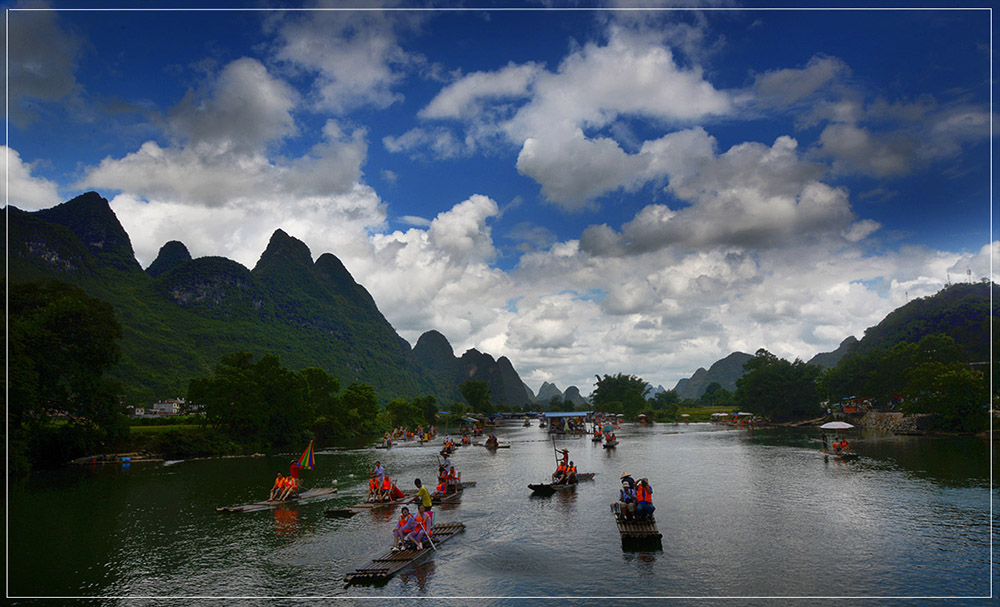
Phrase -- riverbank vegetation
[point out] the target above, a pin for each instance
(63, 403)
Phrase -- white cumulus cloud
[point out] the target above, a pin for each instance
(25, 191)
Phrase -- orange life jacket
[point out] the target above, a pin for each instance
(278, 482)
(371, 484)
(572, 469)
(643, 494)
(441, 487)
(452, 475)
(403, 520)
(426, 520)
(386, 483)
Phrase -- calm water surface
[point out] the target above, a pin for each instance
(743, 514)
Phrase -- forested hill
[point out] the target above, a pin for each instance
(182, 314)
(961, 311)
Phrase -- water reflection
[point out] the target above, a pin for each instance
(910, 518)
(419, 574)
(286, 520)
(644, 559)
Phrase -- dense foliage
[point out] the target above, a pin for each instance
(258, 401)
(665, 405)
(625, 394)
(930, 376)
(264, 405)
(961, 311)
(477, 395)
(777, 389)
(62, 343)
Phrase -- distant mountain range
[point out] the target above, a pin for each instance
(180, 315)
(961, 310)
(549, 391)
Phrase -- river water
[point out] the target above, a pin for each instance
(743, 514)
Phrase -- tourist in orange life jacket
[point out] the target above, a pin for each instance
(559, 476)
(441, 489)
(279, 484)
(424, 527)
(452, 480)
(290, 487)
(373, 488)
(571, 473)
(644, 499)
(385, 489)
(404, 526)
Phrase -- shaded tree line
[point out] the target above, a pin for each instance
(260, 403)
(61, 403)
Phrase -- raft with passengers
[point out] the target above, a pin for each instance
(288, 489)
(415, 535)
(565, 476)
(634, 515)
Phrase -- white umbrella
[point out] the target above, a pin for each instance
(685, 415)
(836, 426)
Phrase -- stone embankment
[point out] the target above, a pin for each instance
(897, 423)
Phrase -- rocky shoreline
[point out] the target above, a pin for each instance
(898, 423)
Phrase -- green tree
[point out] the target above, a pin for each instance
(629, 391)
(957, 396)
(62, 343)
(405, 413)
(662, 400)
(665, 404)
(427, 404)
(477, 394)
(321, 391)
(883, 374)
(778, 389)
(717, 398)
(361, 408)
(258, 402)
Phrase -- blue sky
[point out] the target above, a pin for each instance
(585, 192)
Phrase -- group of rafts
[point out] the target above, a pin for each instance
(415, 534)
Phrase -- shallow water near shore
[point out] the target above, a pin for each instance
(756, 513)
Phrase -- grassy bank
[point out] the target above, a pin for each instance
(181, 441)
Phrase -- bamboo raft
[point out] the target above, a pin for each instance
(312, 495)
(637, 533)
(381, 568)
(369, 506)
(116, 458)
(550, 488)
(611, 445)
(844, 455)
(491, 447)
